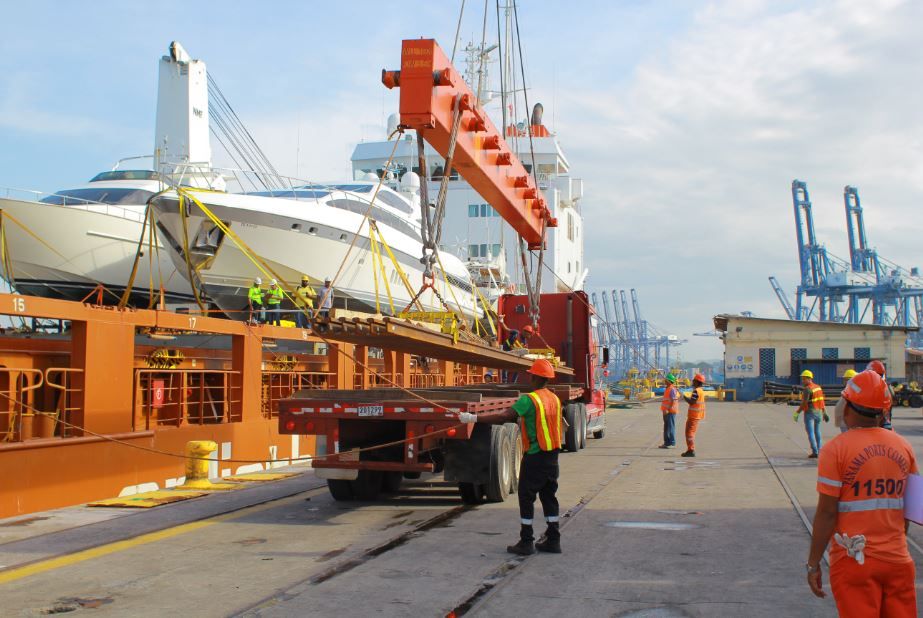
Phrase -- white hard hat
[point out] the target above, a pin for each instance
(273, 282)
(258, 281)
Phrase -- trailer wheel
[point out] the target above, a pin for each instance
(367, 485)
(392, 482)
(471, 493)
(581, 408)
(412, 475)
(340, 490)
(515, 455)
(501, 464)
(572, 434)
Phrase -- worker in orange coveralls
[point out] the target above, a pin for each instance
(540, 421)
(862, 478)
(695, 413)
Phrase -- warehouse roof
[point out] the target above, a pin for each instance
(721, 323)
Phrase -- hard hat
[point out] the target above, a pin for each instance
(698, 378)
(258, 281)
(527, 329)
(542, 368)
(877, 366)
(671, 378)
(807, 373)
(327, 280)
(305, 278)
(273, 282)
(850, 373)
(867, 393)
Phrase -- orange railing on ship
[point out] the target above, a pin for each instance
(176, 397)
(17, 402)
(426, 380)
(278, 385)
(61, 379)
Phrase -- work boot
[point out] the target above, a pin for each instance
(812, 456)
(689, 453)
(664, 446)
(526, 545)
(551, 542)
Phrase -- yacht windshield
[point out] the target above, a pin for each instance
(126, 175)
(355, 188)
(75, 197)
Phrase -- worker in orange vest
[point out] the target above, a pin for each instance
(695, 413)
(862, 478)
(814, 408)
(540, 420)
(669, 406)
(879, 367)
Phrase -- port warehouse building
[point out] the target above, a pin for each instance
(760, 350)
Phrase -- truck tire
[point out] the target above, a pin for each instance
(572, 433)
(391, 482)
(367, 486)
(501, 464)
(515, 454)
(471, 493)
(340, 490)
(412, 475)
(581, 407)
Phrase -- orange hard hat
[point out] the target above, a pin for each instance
(542, 368)
(877, 366)
(867, 393)
(527, 329)
(699, 378)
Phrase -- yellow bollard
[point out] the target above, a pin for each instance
(197, 466)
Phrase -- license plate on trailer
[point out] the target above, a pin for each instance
(371, 410)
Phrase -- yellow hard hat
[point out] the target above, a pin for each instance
(807, 374)
(849, 374)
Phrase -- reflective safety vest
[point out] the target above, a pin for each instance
(697, 409)
(305, 295)
(275, 296)
(255, 294)
(670, 402)
(816, 396)
(547, 410)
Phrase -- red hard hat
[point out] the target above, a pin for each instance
(877, 366)
(867, 393)
(527, 329)
(699, 378)
(542, 368)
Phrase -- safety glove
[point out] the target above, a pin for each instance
(795, 415)
(467, 417)
(826, 418)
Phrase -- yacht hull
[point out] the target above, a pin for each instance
(81, 248)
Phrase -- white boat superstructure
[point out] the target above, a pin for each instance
(314, 231)
(65, 244)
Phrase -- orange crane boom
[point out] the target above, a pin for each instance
(429, 87)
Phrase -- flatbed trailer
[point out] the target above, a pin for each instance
(375, 438)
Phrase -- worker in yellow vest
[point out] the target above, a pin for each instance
(540, 422)
(696, 412)
(274, 297)
(814, 408)
(669, 407)
(304, 302)
(255, 302)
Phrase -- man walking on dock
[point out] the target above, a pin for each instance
(695, 413)
(669, 407)
(539, 415)
(862, 478)
(813, 406)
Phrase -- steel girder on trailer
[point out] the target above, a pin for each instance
(394, 334)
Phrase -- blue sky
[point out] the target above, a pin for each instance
(687, 120)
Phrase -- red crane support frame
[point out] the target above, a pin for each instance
(429, 85)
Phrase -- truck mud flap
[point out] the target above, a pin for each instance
(468, 461)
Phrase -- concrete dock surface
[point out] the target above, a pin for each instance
(646, 533)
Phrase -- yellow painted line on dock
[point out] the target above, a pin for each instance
(43, 566)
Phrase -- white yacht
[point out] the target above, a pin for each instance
(65, 244)
(312, 230)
